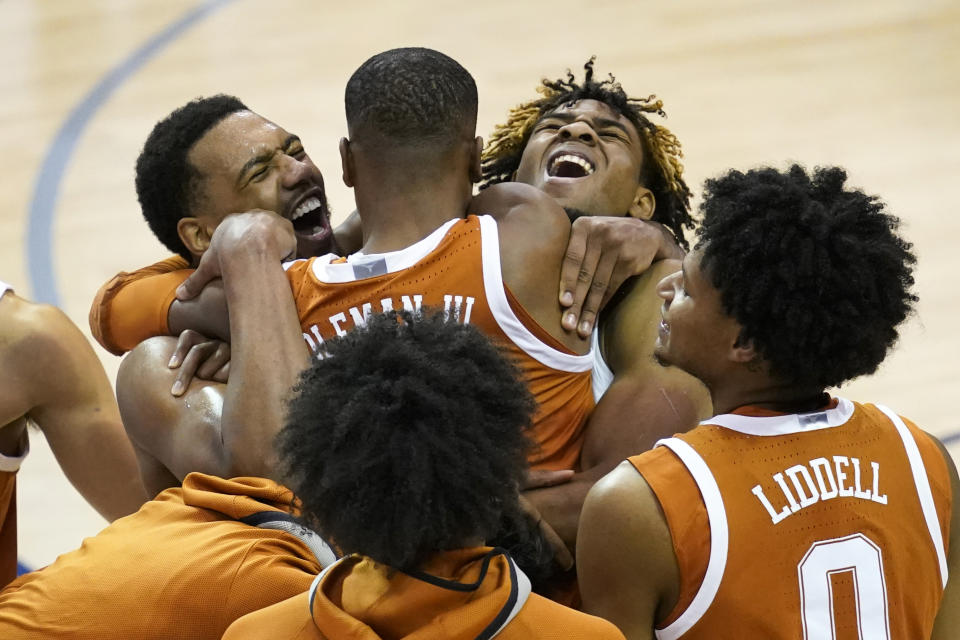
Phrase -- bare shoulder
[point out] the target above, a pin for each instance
(630, 323)
(518, 203)
(625, 560)
(623, 496)
(34, 328)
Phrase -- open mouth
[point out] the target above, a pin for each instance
(568, 165)
(310, 218)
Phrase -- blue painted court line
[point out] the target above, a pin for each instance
(39, 241)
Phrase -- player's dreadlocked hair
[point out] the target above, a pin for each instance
(411, 96)
(408, 438)
(814, 271)
(166, 183)
(662, 168)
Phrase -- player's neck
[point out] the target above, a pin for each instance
(771, 395)
(396, 219)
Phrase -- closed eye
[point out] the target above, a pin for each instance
(613, 134)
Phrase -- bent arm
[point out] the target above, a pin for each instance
(268, 348)
(172, 436)
(65, 391)
(133, 306)
(224, 430)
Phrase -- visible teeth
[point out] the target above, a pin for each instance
(587, 166)
(307, 205)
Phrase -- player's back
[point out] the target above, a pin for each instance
(829, 524)
(455, 269)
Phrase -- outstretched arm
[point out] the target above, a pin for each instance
(52, 376)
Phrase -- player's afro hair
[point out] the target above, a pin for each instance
(662, 168)
(166, 183)
(411, 97)
(408, 438)
(813, 270)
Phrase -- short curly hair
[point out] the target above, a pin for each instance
(662, 168)
(409, 437)
(813, 271)
(167, 184)
(411, 96)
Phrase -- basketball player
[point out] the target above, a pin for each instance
(183, 196)
(374, 436)
(412, 157)
(790, 513)
(197, 557)
(52, 379)
(597, 152)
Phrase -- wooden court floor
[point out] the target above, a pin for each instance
(874, 87)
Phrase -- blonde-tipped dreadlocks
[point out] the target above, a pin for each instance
(662, 168)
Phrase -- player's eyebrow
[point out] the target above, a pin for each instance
(597, 123)
(264, 156)
(261, 158)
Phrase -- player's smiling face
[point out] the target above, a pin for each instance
(695, 333)
(247, 162)
(588, 157)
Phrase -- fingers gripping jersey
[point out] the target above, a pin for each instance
(455, 269)
(830, 525)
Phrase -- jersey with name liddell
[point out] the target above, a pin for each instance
(829, 524)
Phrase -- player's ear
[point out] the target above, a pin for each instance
(643, 204)
(194, 234)
(346, 162)
(743, 350)
(476, 159)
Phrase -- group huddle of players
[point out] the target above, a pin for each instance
(401, 428)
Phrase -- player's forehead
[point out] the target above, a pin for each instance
(590, 110)
(233, 141)
(692, 268)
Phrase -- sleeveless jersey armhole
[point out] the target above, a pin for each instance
(686, 516)
(939, 478)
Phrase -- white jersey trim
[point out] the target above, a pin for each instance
(785, 424)
(315, 585)
(350, 271)
(507, 319)
(719, 539)
(922, 483)
(523, 587)
(601, 375)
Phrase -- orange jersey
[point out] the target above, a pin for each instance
(186, 565)
(455, 269)
(460, 595)
(132, 307)
(830, 524)
(8, 516)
